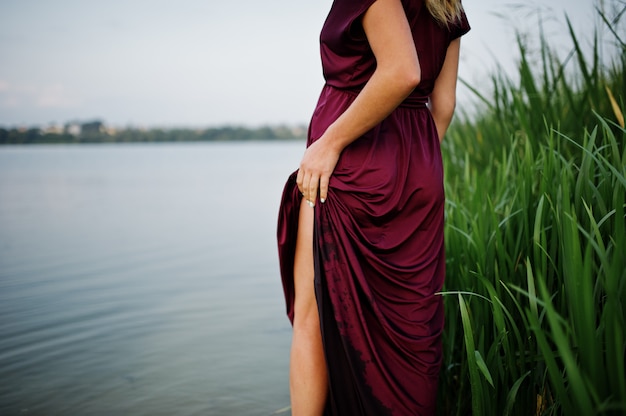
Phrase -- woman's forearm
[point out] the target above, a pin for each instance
(442, 115)
(386, 89)
(443, 97)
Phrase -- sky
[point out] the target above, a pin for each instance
(194, 63)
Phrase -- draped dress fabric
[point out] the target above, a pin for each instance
(378, 239)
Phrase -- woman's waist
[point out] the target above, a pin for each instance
(412, 101)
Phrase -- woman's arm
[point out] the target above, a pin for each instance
(443, 97)
(397, 74)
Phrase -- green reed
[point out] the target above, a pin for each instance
(536, 241)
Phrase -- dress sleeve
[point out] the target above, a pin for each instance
(354, 9)
(460, 27)
(344, 19)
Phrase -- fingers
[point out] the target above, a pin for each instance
(300, 180)
(316, 167)
(310, 186)
(304, 180)
(309, 190)
(324, 181)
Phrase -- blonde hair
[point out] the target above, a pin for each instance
(445, 11)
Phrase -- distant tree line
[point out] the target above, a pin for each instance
(98, 132)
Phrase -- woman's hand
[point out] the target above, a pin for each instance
(317, 164)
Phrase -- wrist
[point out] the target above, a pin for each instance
(333, 141)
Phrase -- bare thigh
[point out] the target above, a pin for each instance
(305, 304)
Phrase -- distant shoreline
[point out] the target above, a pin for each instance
(94, 132)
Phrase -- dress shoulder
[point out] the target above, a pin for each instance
(460, 27)
(350, 10)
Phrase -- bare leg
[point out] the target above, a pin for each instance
(308, 382)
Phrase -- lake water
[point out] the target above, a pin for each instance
(142, 279)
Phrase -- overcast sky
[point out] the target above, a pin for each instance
(205, 63)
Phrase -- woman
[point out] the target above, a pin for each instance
(360, 228)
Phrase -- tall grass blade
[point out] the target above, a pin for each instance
(512, 395)
(618, 112)
(475, 385)
(480, 362)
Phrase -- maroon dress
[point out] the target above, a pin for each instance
(378, 239)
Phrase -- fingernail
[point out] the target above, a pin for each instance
(322, 200)
(311, 204)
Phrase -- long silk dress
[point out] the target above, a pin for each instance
(378, 239)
